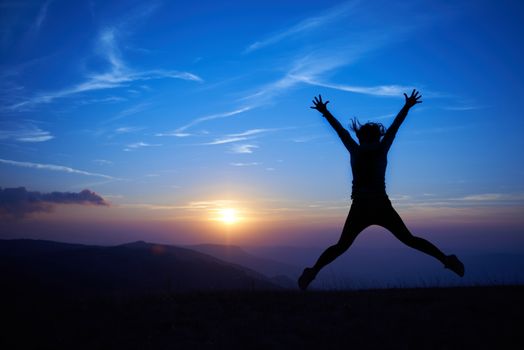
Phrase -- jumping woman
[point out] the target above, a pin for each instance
(371, 205)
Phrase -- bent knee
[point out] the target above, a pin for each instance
(409, 240)
(342, 246)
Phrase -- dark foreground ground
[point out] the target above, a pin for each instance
(447, 318)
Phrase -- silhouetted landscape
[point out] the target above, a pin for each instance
(142, 295)
(135, 268)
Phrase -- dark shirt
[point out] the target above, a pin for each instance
(368, 165)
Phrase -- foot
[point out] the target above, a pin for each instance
(454, 264)
(308, 275)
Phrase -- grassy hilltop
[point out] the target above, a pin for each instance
(436, 318)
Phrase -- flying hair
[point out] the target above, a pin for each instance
(368, 130)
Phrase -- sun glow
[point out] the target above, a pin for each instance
(228, 216)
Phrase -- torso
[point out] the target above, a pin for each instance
(368, 164)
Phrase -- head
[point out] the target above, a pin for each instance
(368, 133)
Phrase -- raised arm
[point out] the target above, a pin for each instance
(412, 100)
(344, 135)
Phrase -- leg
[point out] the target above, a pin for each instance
(330, 254)
(353, 226)
(393, 222)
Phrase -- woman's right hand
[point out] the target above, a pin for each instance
(413, 99)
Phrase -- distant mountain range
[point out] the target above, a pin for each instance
(137, 268)
(133, 268)
(282, 273)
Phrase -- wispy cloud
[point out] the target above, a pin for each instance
(218, 203)
(215, 116)
(42, 14)
(380, 90)
(128, 129)
(103, 162)
(24, 132)
(252, 132)
(226, 139)
(243, 136)
(174, 133)
(327, 52)
(306, 69)
(181, 131)
(138, 108)
(118, 75)
(472, 200)
(494, 197)
(140, 145)
(245, 164)
(54, 167)
(112, 132)
(191, 206)
(143, 144)
(109, 99)
(312, 69)
(149, 206)
(243, 148)
(308, 24)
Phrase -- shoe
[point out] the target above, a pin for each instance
(308, 275)
(454, 264)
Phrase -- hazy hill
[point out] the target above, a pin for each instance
(280, 272)
(364, 267)
(30, 247)
(60, 268)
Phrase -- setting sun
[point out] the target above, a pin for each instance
(228, 215)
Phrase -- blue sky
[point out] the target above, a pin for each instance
(173, 110)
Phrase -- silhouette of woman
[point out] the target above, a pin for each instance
(371, 205)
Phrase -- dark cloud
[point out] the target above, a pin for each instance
(19, 202)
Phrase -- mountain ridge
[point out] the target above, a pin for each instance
(131, 268)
